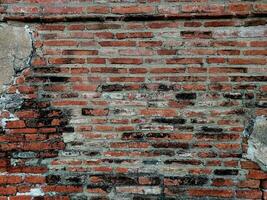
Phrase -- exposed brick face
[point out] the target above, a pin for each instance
(149, 103)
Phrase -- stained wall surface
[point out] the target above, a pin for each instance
(135, 100)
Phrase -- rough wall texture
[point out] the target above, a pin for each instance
(136, 100)
(16, 48)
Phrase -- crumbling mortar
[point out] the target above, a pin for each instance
(33, 51)
(249, 118)
(65, 113)
(42, 18)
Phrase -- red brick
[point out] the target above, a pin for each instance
(127, 79)
(95, 112)
(98, 9)
(150, 43)
(82, 70)
(10, 179)
(249, 165)
(75, 27)
(61, 43)
(167, 70)
(138, 70)
(249, 184)
(15, 124)
(62, 189)
(260, 7)
(213, 8)
(244, 61)
(264, 184)
(257, 174)
(220, 182)
(10, 190)
(23, 130)
(104, 35)
(70, 103)
(133, 10)
(96, 60)
(265, 195)
(215, 60)
(117, 43)
(84, 87)
(258, 43)
(255, 52)
(158, 112)
(135, 35)
(66, 60)
(239, 7)
(25, 9)
(159, 25)
(63, 10)
(192, 24)
(35, 179)
(219, 23)
(21, 197)
(249, 194)
(184, 61)
(211, 192)
(128, 61)
(27, 114)
(79, 52)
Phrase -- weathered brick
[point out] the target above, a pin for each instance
(213, 8)
(211, 193)
(133, 101)
(95, 112)
(249, 194)
(132, 10)
(126, 61)
(98, 9)
(63, 10)
(239, 8)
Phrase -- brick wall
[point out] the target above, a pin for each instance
(135, 100)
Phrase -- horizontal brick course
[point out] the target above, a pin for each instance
(135, 100)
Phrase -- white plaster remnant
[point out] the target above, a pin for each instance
(34, 192)
(257, 143)
(3, 121)
(15, 51)
(139, 189)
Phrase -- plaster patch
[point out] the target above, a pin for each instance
(257, 143)
(15, 51)
(3, 121)
(33, 192)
